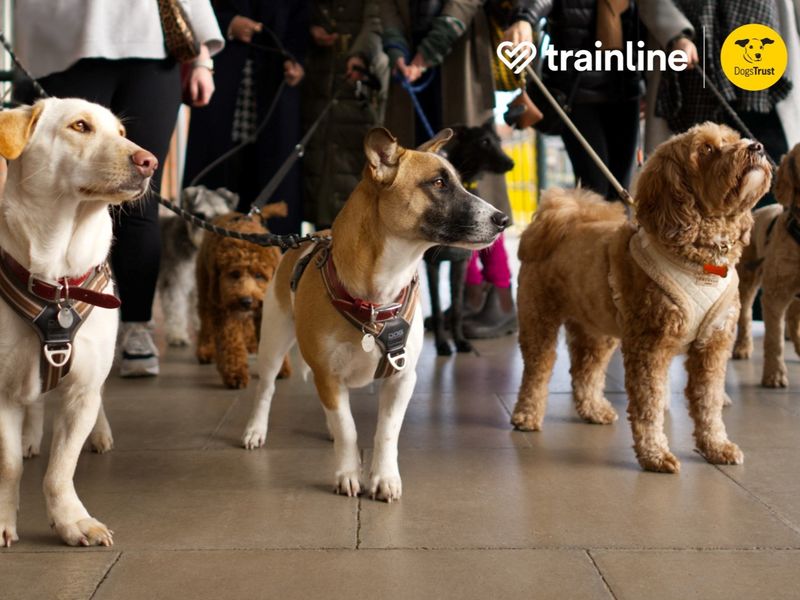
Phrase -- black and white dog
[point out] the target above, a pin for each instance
(473, 151)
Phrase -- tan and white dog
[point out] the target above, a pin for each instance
(68, 160)
(406, 202)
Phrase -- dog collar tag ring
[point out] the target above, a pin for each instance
(368, 342)
(58, 354)
(397, 360)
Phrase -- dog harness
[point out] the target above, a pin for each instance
(55, 310)
(704, 293)
(386, 325)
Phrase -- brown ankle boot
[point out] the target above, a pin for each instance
(497, 318)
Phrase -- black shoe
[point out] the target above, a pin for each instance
(492, 321)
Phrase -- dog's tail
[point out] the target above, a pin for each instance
(275, 209)
(558, 212)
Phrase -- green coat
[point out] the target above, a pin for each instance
(467, 82)
(335, 155)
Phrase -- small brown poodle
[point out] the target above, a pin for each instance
(772, 261)
(663, 288)
(232, 277)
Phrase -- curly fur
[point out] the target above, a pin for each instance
(232, 277)
(693, 200)
(772, 262)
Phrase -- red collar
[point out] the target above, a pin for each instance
(361, 310)
(719, 271)
(60, 290)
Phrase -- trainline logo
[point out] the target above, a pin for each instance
(753, 57)
(633, 58)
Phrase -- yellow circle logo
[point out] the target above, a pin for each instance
(753, 57)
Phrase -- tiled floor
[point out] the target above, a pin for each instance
(486, 513)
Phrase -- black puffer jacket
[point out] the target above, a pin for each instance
(571, 25)
(334, 157)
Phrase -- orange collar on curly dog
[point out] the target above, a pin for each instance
(406, 202)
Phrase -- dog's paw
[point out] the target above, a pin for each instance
(8, 530)
(463, 346)
(236, 380)
(725, 453)
(598, 413)
(386, 488)
(443, 348)
(177, 340)
(347, 483)
(775, 378)
(205, 354)
(254, 437)
(101, 442)
(524, 421)
(660, 461)
(86, 532)
(30, 448)
(742, 350)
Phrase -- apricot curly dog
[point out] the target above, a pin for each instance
(772, 262)
(663, 288)
(232, 277)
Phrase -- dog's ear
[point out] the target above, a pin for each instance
(383, 155)
(274, 209)
(787, 179)
(665, 206)
(742, 43)
(767, 41)
(436, 142)
(16, 128)
(231, 198)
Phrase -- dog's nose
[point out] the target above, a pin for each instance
(245, 302)
(144, 162)
(758, 55)
(756, 147)
(500, 220)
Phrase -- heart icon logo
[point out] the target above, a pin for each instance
(516, 57)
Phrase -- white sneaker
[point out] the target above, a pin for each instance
(139, 352)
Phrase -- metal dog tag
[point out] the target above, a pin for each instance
(368, 342)
(65, 317)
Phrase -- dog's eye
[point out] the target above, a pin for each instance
(484, 142)
(235, 274)
(439, 183)
(260, 276)
(81, 126)
(708, 149)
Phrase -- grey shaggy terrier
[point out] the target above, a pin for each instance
(180, 242)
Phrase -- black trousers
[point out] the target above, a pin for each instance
(612, 129)
(146, 95)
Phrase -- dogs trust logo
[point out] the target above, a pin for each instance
(753, 57)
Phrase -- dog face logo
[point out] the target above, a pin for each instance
(754, 48)
(753, 57)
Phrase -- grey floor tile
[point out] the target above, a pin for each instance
(389, 574)
(707, 575)
(56, 575)
(195, 499)
(565, 497)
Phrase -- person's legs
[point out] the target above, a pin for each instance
(498, 315)
(587, 118)
(621, 123)
(147, 99)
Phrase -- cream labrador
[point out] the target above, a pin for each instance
(68, 161)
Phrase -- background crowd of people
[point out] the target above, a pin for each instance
(368, 54)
